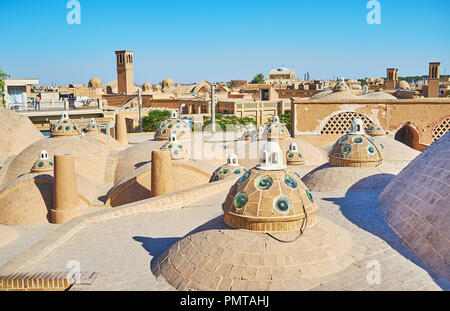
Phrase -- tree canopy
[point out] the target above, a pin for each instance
(258, 79)
(2, 85)
(151, 122)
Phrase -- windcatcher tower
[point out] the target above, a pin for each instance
(391, 78)
(124, 61)
(432, 90)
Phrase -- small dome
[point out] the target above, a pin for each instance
(231, 168)
(92, 126)
(375, 130)
(282, 68)
(270, 198)
(341, 86)
(147, 87)
(175, 147)
(173, 125)
(276, 130)
(167, 83)
(43, 164)
(293, 155)
(95, 83)
(356, 149)
(404, 85)
(64, 127)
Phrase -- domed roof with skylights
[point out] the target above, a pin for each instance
(43, 164)
(92, 126)
(270, 197)
(293, 155)
(341, 86)
(231, 168)
(173, 125)
(64, 127)
(375, 130)
(175, 147)
(356, 149)
(276, 130)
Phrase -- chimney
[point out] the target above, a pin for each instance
(66, 200)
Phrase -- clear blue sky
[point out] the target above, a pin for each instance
(190, 41)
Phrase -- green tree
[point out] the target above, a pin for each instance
(151, 122)
(2, 85)
(228, 120)
(258, 79)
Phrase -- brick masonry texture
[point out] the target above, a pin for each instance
(416, 204)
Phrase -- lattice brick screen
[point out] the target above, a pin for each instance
(341, 123)
(440, 129)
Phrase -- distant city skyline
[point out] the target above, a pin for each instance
(193, 41)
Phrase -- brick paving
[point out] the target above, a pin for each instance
(122, 249)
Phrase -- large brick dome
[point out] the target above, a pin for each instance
(416, 204)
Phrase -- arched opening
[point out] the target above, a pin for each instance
(408, 136)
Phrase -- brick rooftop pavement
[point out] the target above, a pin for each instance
(121, 249)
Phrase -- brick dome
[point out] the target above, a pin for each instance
(375, 130)
(64, 127)
(173, 125)
(43, 164)
(341, 86)
(356, 149)
(232, 167)
(270, 197)
(416, 205)
(293, 155)
(276, 130)
(92, 126)
(95, 83)
(175, 147)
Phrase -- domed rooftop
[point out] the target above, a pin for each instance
(404, 85)
(167, 83)
(91, 158)
(95, 83)
(43, 164)
(377, 95)
(276, 130)
(232, 167)
(293, 155)
(270, 197)
(268, 239)
(65, 127)
(375, 130)
(282, 68)
(12, 138)
(92, 126)
(356, 149)
(147, 87)
(175, 147)
(173, 125)
(416, 206)
(341, 86)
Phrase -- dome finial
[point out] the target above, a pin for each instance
(357, 126)
(43, 155)
(271, 157)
